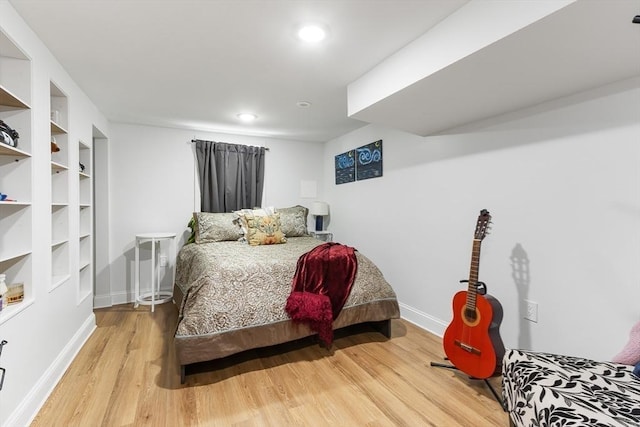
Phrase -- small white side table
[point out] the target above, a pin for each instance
(155, 296)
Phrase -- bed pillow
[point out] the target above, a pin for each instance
(293, 221)
(216, 227)
(251, 212)
(262, 229)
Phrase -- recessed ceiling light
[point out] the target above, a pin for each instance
(247, 117)
(312, 33)
(303, 104)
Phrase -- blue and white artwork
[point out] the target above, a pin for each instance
(345, 167)
(369, 161)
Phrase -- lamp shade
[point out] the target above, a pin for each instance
(320, 208)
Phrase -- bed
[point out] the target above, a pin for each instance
(231, 297)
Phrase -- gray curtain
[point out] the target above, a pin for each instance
(231, 176)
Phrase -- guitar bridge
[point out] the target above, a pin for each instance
(467, 347)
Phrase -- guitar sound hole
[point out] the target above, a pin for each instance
(470, 315)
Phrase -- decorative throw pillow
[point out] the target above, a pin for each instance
(251, 212)
(293, 221)
(262, 230)
(630, 354)
(269, 210)
(216, 227)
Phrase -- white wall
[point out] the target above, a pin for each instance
(153, 186)
(102, 285)
(562, 181)
(46, 335)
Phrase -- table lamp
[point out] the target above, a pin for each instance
(319, 209)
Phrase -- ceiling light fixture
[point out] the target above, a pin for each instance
(247, 117)
(303, 104)
(312, 33)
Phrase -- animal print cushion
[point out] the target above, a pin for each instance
(541, 389)
(262, 230)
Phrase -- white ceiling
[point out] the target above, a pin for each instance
(195, 64)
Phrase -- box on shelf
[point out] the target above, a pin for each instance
(15, 294)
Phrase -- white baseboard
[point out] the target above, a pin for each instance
(423, 320)
(102, 301)
(121, 298)
(24, 414)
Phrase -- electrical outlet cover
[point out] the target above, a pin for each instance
(531, 311)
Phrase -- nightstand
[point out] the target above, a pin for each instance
(325, 236)
(155, 296)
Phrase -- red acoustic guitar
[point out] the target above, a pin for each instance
(471, 342)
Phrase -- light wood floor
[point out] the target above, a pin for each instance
(127, 375)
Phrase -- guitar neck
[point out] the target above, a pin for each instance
(472, 289)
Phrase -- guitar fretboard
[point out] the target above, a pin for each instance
(472, 290)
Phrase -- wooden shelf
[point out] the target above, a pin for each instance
(56, 129)
(7, 150)
(9, 257)
(9, 101)
(16, 177)
(19, 203)
(58, 167)
(59, 242)
(85, 228)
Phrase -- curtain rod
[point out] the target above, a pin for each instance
(204, 140)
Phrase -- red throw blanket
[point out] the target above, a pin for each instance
(322, 283)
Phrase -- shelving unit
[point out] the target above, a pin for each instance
(16, 217)
(47, 242)
(85, 265)
(60, 262)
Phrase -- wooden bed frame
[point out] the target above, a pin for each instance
(382, 326)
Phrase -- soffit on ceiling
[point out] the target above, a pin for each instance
(584, 45)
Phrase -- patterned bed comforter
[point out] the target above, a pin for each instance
(549, 390)
(229, 286)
